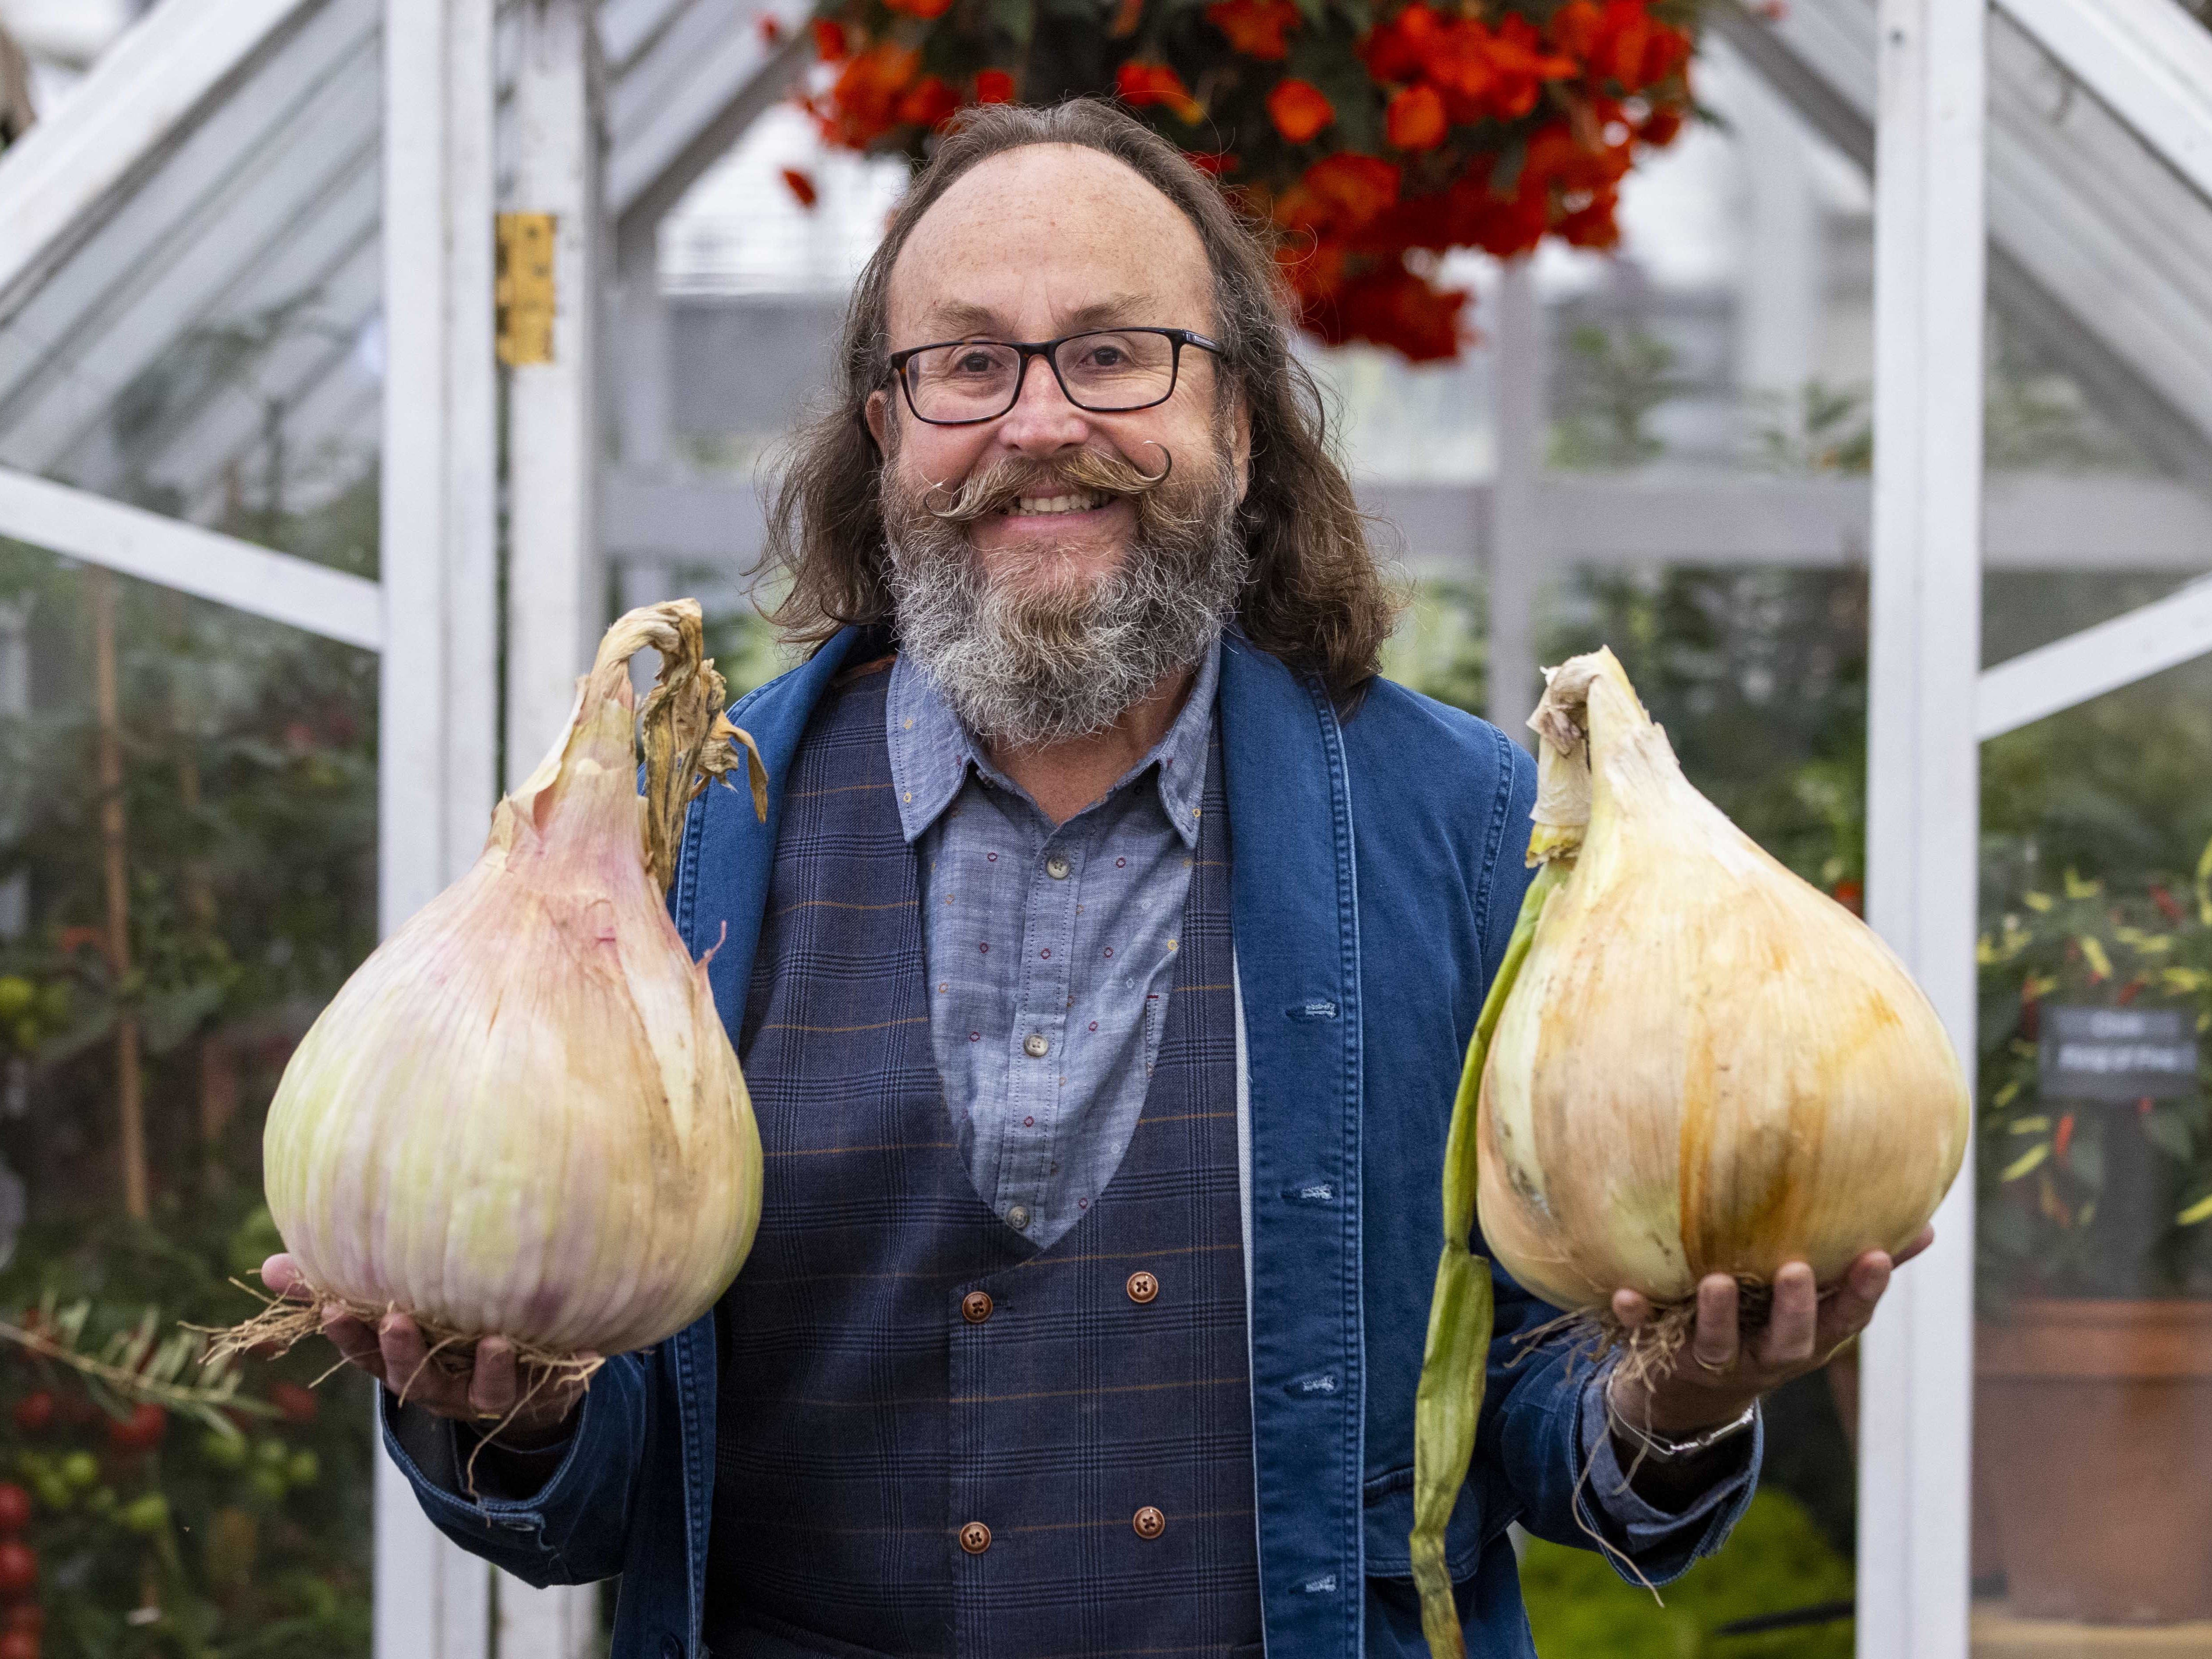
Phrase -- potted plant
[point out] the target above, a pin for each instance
(2093, 1352)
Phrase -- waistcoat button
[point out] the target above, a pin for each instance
(976, 1306)
(1143, 1287)
(1149, 1522)
(975, 1537)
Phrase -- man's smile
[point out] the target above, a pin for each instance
(1081, 500)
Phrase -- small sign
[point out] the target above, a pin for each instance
(2117, 1054)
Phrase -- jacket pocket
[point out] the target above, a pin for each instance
(1388, 1522)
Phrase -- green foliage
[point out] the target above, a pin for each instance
(1775, 1561)
(2089, 1199)
(1615, 380)
(157, 1535)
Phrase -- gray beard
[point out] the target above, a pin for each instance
(1030, 669)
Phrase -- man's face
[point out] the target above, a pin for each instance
(1052, 566)
(1033, 244)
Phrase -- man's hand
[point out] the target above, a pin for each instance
(483, 1396)
(1718, 1374)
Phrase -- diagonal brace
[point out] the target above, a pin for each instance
(278, 585)
(2071, 671)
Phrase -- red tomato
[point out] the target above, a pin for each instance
(14, 1508)
(140, 1431)
(20, 1644)
(19, 1568)
(34, 1411)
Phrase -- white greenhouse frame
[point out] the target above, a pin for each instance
(164, 159)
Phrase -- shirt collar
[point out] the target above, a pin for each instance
(932, 751)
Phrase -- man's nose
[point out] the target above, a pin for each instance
(1043, 422)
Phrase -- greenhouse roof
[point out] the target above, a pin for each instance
(202, 256)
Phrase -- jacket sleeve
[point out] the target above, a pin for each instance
(1543, 1423)
(572, 1529)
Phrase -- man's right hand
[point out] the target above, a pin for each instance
(484, 1396)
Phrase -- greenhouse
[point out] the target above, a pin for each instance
(360, 361)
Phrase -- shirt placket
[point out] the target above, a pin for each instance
(1038, 1064)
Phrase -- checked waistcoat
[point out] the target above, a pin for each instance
(900, 1371)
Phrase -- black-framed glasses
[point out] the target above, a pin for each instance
(1106, 371)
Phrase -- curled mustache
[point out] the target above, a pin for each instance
(1003, 483)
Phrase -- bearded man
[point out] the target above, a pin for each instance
(1102, 977)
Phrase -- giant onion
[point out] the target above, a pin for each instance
(521, 1115)
(1691, 1062)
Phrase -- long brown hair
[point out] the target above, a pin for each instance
(1316, 599)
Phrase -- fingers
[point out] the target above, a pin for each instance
(1845, 1314)
(1792, 1317)
(353, 1339)
(1927, 1237)
(280, 1274)
(491, 1382)
(1632, 1308)
(1713, 1345)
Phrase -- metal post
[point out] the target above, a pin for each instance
(1923, 783)
(1514, 540)
(438, 711)
(556, 582)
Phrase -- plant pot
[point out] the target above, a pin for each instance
(2095, 1437)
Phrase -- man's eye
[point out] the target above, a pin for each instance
(975, 363)
(1106, 356)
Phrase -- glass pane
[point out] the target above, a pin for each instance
(2093, 1265)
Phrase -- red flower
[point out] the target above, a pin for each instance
(1399, 50)
(142, 1430)
(1619, 41)
(1415, 119)
(1659, 128)
(1155, 84)
(1299, 109)
(801, 186)
(930, 103)
(924, 9)
(298, 1405)
(1340, 195)
(995, 87)
(1212, 163)
(1393, 307)
(830, 43)
(1256, 27)
(863, 105)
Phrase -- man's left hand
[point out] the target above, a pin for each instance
(1718, 1373)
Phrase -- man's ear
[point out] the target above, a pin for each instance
(876, 415)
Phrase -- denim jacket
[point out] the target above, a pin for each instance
(1377, 874)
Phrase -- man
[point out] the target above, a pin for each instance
(1102, 978)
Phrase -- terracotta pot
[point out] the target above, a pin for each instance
(2094, 1432)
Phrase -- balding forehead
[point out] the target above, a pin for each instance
(1058, 231)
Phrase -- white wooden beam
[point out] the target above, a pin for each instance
(437, 737)
(556, 580)
(2149, 61)
(296, 592)
(2145, 642)
(158, 78)
(1922, 779)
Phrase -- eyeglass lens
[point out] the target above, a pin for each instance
(979, 379)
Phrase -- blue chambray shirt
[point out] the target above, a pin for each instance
(1050, 950)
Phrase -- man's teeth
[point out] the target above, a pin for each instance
(1080, 503)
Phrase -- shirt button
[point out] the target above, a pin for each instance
(1143, 1287)
(976, 1306)
(1148, 1521)
(1018, 1217)
(975, 1537)
(1057, 867)
(1035, 1046)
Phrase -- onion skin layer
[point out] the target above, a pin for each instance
(522, 1115)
